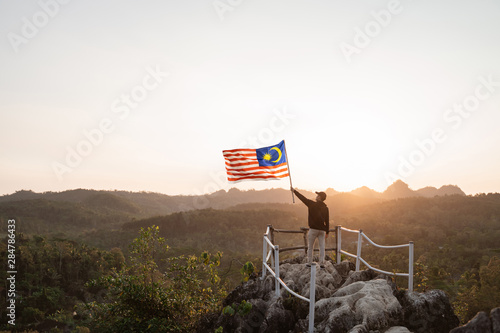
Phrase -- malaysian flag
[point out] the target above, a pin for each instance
(256, 164)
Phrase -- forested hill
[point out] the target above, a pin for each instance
(470, 223)
(235, 232)
(144, 204)
(455, 236)
(78, 211)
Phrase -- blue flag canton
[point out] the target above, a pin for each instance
(272, 155)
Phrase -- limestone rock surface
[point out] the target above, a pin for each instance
(346, 301)
(368, 305)
(482, 323)
(428, 312)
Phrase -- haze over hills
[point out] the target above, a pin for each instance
(152, 203)
(74, 209)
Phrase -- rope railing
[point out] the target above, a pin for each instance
(271, 253)
(303, 230)
(360, 260)
(338, 249)
(278, 281)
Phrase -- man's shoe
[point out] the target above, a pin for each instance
(322, 266)
(308, 265)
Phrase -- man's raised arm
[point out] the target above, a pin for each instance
(301, 197)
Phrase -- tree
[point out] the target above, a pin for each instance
(489, 291)
(144, 250)
(141, 298)
(478, 293)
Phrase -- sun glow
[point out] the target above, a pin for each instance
(364, 150)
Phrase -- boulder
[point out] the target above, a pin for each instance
(398, 329)
(277, 319)
(482, 323)
(345, 267)
(254, 288)
(297, 277)
(428, 312)
(360, 329)
(479, 324)
(358, 307)
(365, 275)
(495, 320)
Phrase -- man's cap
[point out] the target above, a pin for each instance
(322, 195)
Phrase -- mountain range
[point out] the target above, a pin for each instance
(142, 204)
(400, 189)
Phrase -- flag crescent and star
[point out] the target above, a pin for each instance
(279, 152)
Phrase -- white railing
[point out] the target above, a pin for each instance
(271, 255)
(360, 260)
(267, 254)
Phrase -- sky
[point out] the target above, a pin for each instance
(145, 95)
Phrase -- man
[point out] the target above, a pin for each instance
(319, 225)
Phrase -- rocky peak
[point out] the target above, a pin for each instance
(430, 191)
(346, 301)
(482, 323)
(399, 189)
(366, 192)
(450, 190)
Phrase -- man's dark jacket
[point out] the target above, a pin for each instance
(319, 215)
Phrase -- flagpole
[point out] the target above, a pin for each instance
(289, 174)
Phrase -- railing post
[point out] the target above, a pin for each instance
(358, 253)
(312, 298)
(410, 269)
(271, 228)
(277, 269)
(271, 238)
(338, 241)
(264, 256)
